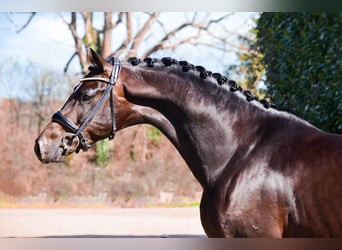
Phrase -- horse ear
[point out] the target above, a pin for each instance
(97, 60)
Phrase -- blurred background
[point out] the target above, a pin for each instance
(292, 59)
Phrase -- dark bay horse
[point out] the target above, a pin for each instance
(264, 173)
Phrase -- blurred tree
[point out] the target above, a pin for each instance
(102, 153)
(145, 33)
(36, 86)
(303, 60)
(139, 34)
(45, 90)
(249, 69)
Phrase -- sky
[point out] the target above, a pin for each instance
(47, 41)
(46, 38)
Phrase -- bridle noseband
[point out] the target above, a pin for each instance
(78, 132)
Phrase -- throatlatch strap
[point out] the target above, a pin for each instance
(112, 132)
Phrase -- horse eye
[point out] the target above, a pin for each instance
(86, 97)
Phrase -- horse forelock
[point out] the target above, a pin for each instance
(94, 70)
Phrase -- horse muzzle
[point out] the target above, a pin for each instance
(55, 150)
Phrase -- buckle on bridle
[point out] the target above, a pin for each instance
(68, 141)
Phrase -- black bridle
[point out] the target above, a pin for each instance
(78, 131)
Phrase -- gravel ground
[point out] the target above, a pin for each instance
(96, 223)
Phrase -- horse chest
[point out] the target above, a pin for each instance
(255, 204)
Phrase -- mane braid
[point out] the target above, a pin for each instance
(203, 74)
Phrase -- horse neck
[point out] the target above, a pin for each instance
(205, 121)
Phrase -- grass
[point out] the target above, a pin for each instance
(16, 205)
(177, 204)
(10, 202)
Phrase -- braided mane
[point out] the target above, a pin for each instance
(203, 74)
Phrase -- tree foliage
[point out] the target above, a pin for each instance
(303, 60)
(249, 70)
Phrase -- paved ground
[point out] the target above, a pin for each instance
(129, 222)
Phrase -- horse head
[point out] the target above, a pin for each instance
(94, 111)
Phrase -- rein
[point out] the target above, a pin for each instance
(78, 132)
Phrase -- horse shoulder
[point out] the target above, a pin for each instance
(254, 203)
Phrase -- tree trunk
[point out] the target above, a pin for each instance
(78, 43)
(107, 35)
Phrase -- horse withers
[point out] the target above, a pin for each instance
(264, 173)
